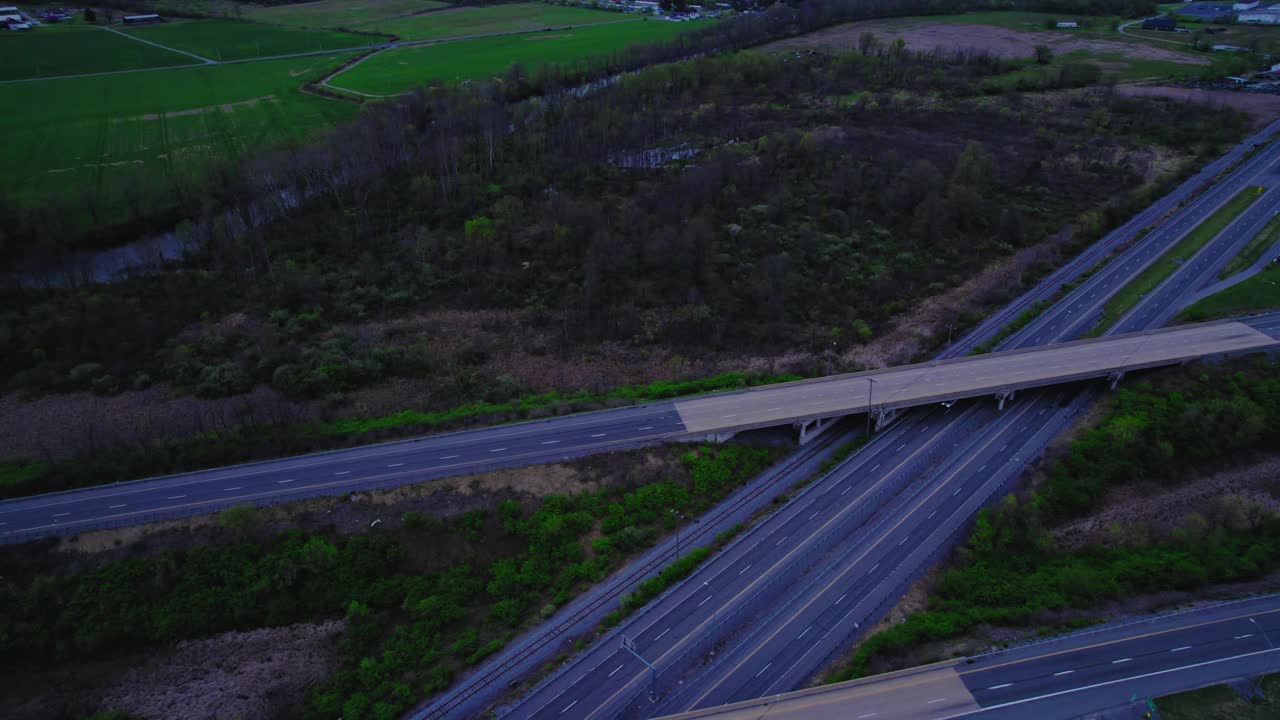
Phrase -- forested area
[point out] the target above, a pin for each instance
(421, 603)
(1010, 573)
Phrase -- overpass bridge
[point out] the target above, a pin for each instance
(811, 405)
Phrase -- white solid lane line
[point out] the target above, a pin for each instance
(935, 701)
(232, 488)
(282, 482)
(549, 442)
(1064, 672)
(997, 687)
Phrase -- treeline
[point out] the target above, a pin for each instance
(825, 197)
(411, 624)
(1010, 573)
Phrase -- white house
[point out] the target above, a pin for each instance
(1069, 24)
(1260, 17)
(1242, 6)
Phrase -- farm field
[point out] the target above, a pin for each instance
(516, 17)
(399, 69)
(232, 40)
(108, 132)
(72, 49)
(1015, 35)
(338, 13)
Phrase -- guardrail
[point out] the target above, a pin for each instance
(478, 683)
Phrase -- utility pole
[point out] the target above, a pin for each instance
(871, 386)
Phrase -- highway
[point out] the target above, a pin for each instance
(836, 396)
(385, 465)
(1069, 676)
(904, 500)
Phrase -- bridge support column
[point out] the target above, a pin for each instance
(1115, 378)
(715, 437)
(813, 428)
(1002, 396)
(883, 417)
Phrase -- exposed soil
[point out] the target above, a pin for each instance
(1261, 108)
(1135, 511)
(1005, 42)
(255, 675)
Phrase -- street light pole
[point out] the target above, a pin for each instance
(871, 386)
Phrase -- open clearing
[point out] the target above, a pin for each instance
(231, 40)
(462, 22)
(927, 34)
(338, 13)
(107, 132)
(399, 69)
(1262, 108)
(73, 49)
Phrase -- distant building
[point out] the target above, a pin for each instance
(142, 19)
(1259, 17)
(1069, 24)
(9, 15)
(1160, 23)
(1230, 48)
(18, 26)
(1242, 6)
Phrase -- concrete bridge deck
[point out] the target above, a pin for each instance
(998, 374)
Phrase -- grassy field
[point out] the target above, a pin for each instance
(232, 40)
(75, 49)
(400, 69)
(1020, 20)
(492, 19)
(1164, 266)
(1220, 702)
(338, 13)
(106, 132)
(1260, 292)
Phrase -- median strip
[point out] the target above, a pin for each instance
(1163, 267)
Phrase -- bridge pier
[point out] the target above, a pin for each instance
(1002, 396)
(883, 417)
(714, 437)
(1115, 377)
(811, 429)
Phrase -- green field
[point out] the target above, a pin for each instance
(106, 132)
(75, 49)
(338, 13)
(492, 19)
(1260, 292)
(232, 40)
(399, 69)
(1220, 702)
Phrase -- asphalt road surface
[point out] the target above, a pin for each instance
(752, 636)
(1065, 677)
